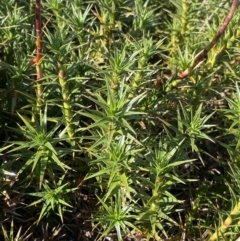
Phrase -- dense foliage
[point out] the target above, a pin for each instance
(108, 139)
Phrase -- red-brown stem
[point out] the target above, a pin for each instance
(38, 30)
(38, 48)
(220, 32)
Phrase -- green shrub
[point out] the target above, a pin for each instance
(100, 130)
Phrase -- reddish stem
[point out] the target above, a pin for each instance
(38, 58)
(220, 32)
(38, 31)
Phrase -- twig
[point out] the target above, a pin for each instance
(38, 58)
(220, 32)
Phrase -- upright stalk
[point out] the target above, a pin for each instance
(184, 17)
(179, 30)
(220, 32)
(67, 110)
(38, 58)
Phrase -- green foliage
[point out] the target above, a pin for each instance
(116, 142)
(53, 198)
(10, 236)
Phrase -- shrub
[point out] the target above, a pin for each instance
(112, 123)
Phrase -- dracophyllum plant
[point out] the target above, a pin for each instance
(116, 216)
(145, 48)
(154, 178)
(192, 125)
(111, 148)
(115, 110)
(40, 154)
(119, 64)
(55, 45)
(112, 119)
(132, 142)
(11, 235)
(228, 223)
(113, 165)
(54, 198)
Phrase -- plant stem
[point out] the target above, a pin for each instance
(38, 58)
(228, 221)
(67, 111)
(184, 18)
(220, 32)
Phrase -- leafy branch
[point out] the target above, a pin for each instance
(205, 51)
